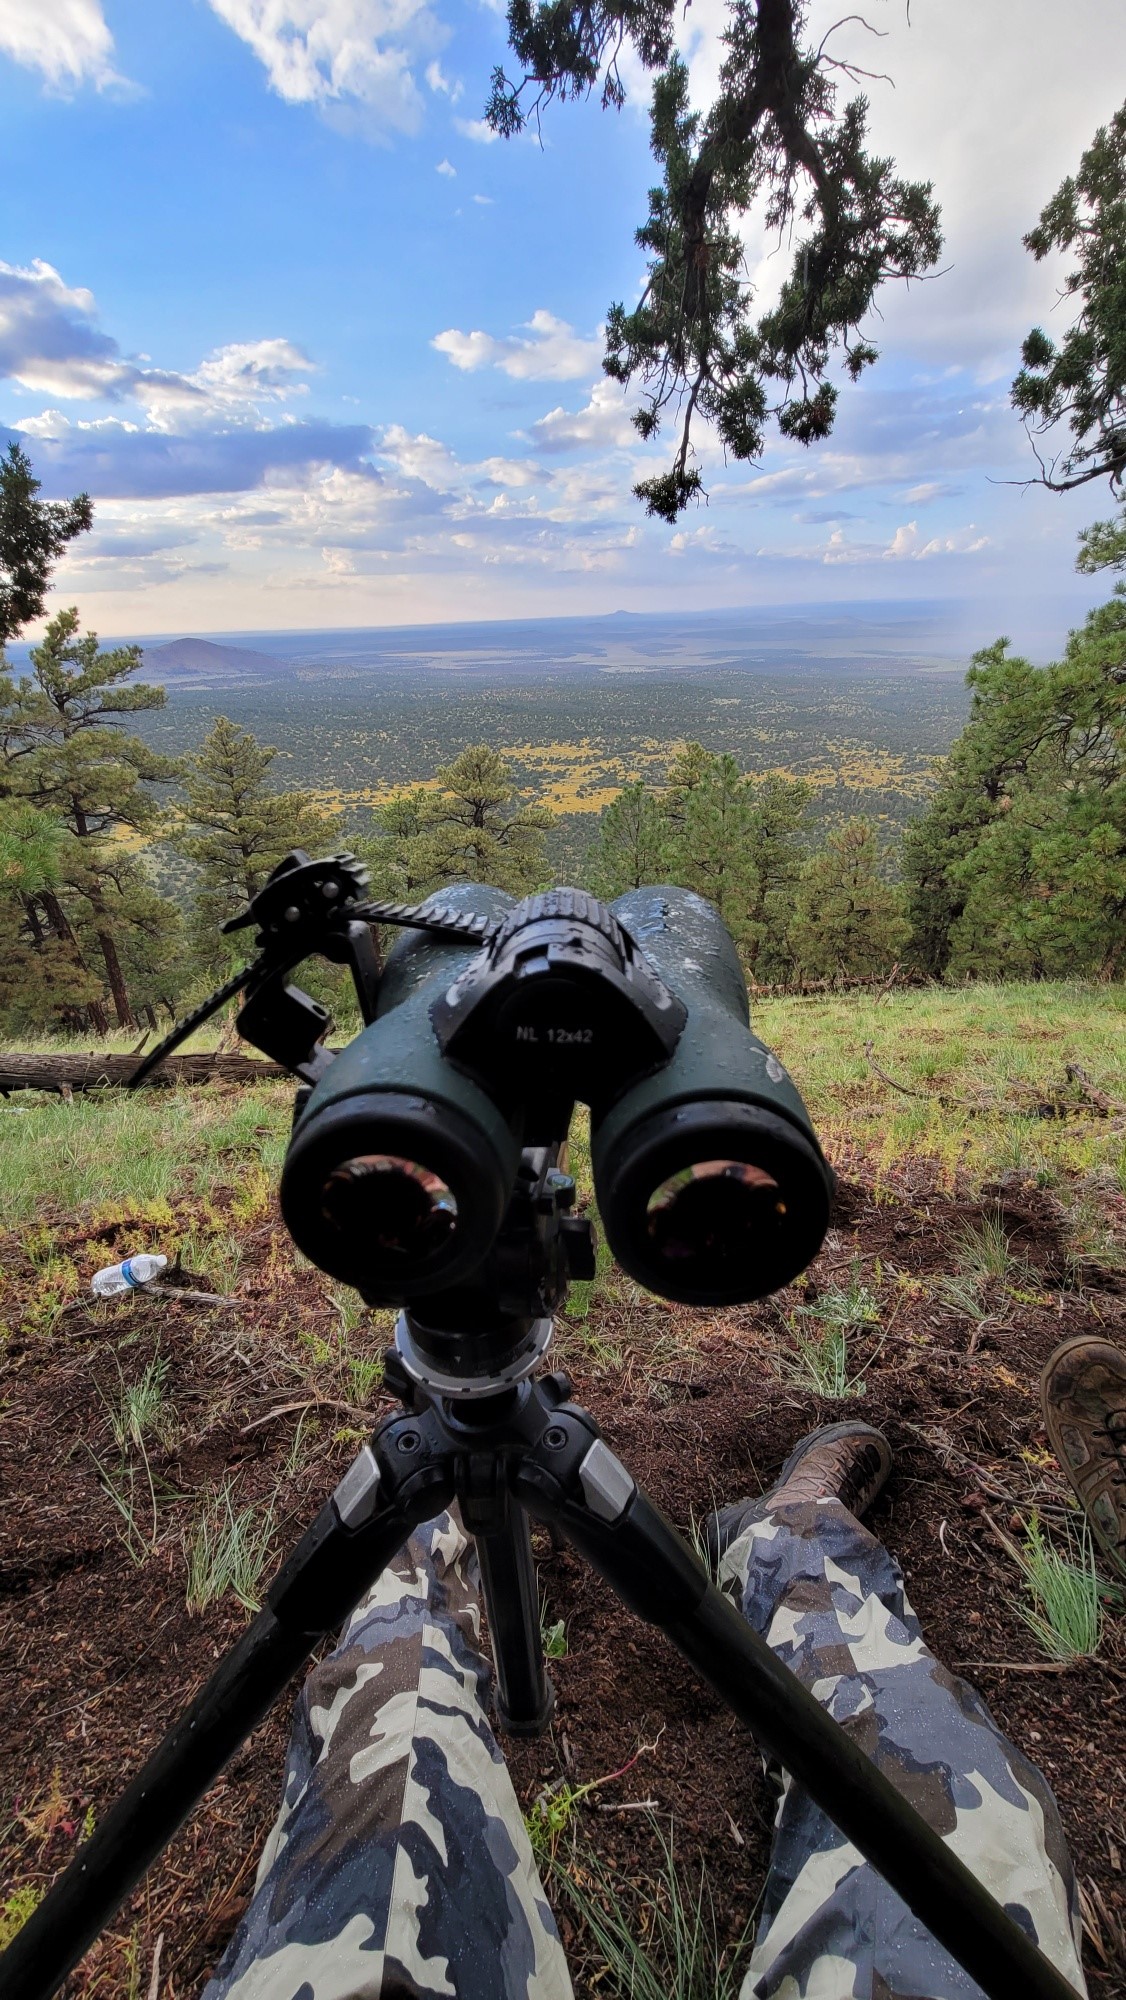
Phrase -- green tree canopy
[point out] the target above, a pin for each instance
(65, 753)
(1080, 380)
(736, 839)
(474, 827)
(33, 535)
(776, 140)
(235, 829)
(1018, 866)
(848, 920)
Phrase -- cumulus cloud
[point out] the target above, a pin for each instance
(444, 167)
(549, 350)
(66, 40)
(906, 545)
(603, 424)
(350, 58)
(50, 341)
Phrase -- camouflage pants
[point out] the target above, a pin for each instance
(399, 1865)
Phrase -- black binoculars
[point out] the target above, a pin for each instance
(710, 1183)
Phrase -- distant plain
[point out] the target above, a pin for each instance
(859, 703)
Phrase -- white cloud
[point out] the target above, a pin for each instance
(351, 58)
(604, 423)
(50, 341)
(554, 353)
(67, 40)
(440, 83)
(482, 200)
(906, 545)
(477, 129)
(444, 167)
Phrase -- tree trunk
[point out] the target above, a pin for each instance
(78, 1072)
(116, 979)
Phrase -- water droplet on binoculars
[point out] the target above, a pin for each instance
(392, 1205)
(713, 1209)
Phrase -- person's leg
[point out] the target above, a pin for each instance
(399, 1865)
(830, 1602)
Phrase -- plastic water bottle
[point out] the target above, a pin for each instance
(128, 1276)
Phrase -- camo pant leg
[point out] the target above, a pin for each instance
(830, 1602)
(399, 1867)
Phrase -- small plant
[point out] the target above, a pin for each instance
(551, 1815)
(143, 1410)
(1065, 1616)
(350, 1307)
(15, 1911)
(820, 1363)
(553, 1634)
(228, 1551)
(672, 1949)
(365, 1373)
(985, 1255)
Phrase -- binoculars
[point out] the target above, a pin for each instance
(710, 1184)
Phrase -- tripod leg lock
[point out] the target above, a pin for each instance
(607, 1486)
(356, 1496)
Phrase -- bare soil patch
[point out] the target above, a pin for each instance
(99, 1652)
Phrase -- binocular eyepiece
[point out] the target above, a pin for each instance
(710, 1183)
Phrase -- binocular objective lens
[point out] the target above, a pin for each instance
(714, 1209)
(395, 1206)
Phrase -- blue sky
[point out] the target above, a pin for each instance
(325, 357)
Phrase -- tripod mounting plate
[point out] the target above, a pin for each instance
(464, 1388)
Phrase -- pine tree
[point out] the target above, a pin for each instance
(631, 842)
(33, 535)
(236, 830)
(735, 839)
(475, 827)
(1018, 866)
(774, 141)
(43, 977)
(848, 921)
(65, 753)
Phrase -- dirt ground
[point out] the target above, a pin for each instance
(99, 1652)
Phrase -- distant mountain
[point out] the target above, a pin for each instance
(201, 661)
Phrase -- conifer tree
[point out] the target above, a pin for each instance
(775, 139)
(631, 842)
(65, 753)
(235, 830)
(848, 921)
(33, 535)
(476, 828)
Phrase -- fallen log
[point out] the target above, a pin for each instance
(67, 1073)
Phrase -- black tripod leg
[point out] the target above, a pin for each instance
(525, 1697)
(657, 1575)
(351, 1541)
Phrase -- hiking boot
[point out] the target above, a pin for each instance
(847, 1462)
(1083, 1395)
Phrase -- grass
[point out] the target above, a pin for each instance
(820, 1360)
(664, 1944)
(145, 1153)
(228, 1551)
(143, 1409)
(1065, 1616)
(999, 1042)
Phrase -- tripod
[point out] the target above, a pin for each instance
(478, 1427)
